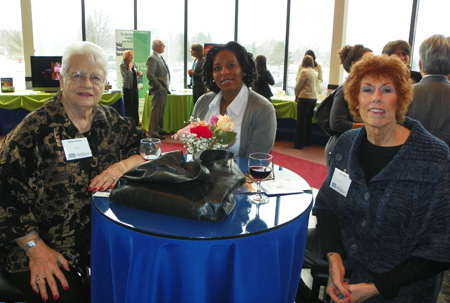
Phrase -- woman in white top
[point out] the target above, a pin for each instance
(228, 73)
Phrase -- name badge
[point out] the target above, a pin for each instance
(340, 182)
(76, 149)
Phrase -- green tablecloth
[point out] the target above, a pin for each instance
(176, 113)
(285, 107)
(31, 101)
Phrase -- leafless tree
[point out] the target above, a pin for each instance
(11, 44)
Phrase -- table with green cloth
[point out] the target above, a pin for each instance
(286, 112)
(177, 112)
(285, 107)
(15, 106)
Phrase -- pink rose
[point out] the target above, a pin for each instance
(214, 119)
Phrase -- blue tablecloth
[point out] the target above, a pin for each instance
(138, 256)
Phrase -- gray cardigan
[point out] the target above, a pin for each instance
(259, 124)
(400, 213)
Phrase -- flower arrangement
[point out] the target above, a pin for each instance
(199, 135)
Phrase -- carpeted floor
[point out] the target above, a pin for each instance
(313, 173)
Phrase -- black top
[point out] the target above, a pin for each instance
(262, 82)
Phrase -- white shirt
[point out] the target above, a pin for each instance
(235, 111)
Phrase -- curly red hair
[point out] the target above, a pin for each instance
(380, 67)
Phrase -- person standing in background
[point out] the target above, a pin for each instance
(158, 76)
(402, 49)
(306, 97)
(341, 119)
(197, 85)
(263, 78)
(432, 94)
(130, 76)
(317, 67)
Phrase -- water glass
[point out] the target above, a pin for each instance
(150, 148)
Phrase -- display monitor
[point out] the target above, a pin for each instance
(45, 73)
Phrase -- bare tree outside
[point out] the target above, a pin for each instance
(99, 30)
(11, 45)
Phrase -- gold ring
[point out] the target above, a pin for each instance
(37, 279)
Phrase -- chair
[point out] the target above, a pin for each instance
(9, 293)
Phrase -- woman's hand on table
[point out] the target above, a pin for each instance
(109, 177)
(45, 268)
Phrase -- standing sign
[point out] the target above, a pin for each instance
(139, 43)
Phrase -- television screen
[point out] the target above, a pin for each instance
(45, 73)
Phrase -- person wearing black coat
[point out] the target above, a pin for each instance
(263, 78)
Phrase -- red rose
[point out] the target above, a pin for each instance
(202, 131)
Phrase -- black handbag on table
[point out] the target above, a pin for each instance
(201, 189)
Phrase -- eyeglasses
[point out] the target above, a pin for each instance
(80, 77)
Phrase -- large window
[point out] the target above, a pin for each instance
(262, 31)
(311, 28)
(12, 64)
(208, 27)
(432, 19)
(261, 28)
(102, 20)
(53, 30)
(374, 23)
(165, 21)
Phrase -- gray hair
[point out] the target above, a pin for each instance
(155, 44)
(94, 53)
(434, 54)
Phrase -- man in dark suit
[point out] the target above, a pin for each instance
(431, 105)
(158, 79)
(432, 94)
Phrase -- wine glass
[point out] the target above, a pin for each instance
(260, 167)
(150, 148)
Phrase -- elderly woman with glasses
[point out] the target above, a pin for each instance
(383, 210)
(50, 165)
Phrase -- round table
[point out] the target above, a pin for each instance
(139, 256)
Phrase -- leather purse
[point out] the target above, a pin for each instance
(201, 189)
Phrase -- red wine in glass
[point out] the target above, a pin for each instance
(260, 172)
(259, 167)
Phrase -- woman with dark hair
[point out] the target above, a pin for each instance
(263, 78)
(228, 72)
(382, 211)
(402, 49)
(198, 88)
(340, 118)
(316, 66)
(306, 98)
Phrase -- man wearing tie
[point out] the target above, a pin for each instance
(158, 76)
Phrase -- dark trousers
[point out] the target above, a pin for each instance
(131, 100)
(78, 292)
(305, 112)
(156, 117)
